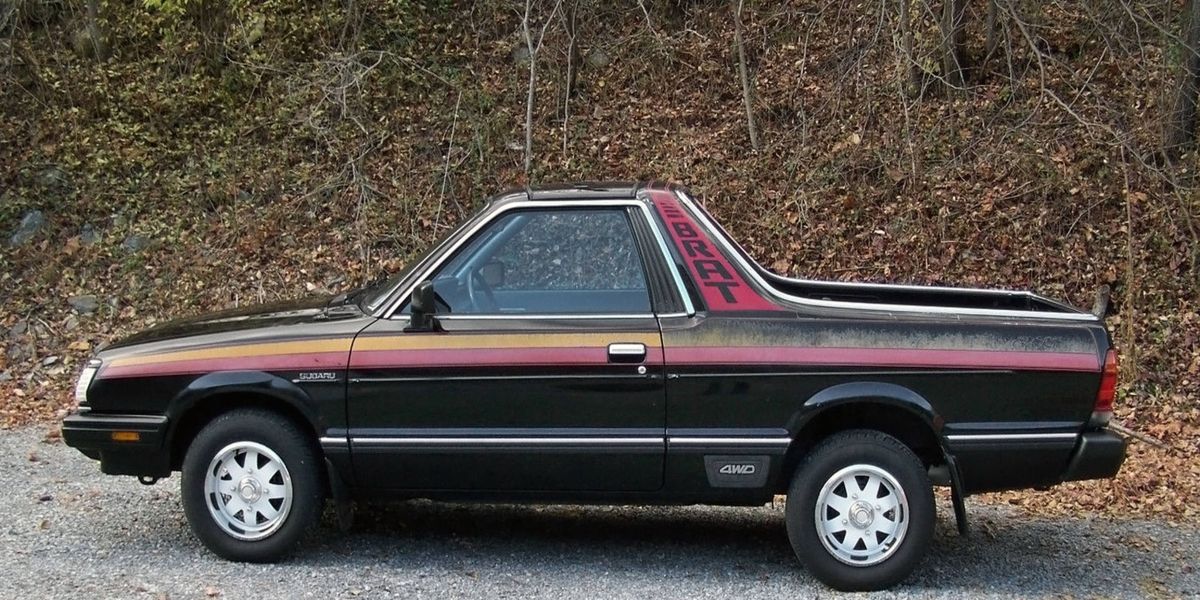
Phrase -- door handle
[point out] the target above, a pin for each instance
(626, 352)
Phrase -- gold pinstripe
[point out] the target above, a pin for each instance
(503, 340)
(397, 342)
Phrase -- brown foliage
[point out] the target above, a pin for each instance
(312, 160)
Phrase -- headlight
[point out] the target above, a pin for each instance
(85, 381)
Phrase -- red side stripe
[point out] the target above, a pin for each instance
(678, 356)
(884, 357)
(489, 357)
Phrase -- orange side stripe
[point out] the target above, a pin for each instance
(503, 340)
(240, 351)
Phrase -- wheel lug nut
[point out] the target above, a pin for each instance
(854, 496)
(844, 521)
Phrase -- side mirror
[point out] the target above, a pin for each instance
(493, 274)
(424, 308)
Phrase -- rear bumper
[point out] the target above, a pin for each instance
(92, 434)
(1098, 455)
(1022, 460)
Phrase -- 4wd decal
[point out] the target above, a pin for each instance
(736, 469)
(721, 285)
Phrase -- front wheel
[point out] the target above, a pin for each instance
(860, 511)
(251, 486)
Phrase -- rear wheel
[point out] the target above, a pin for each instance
(251, 485)
(860, 511)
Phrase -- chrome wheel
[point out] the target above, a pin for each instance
(248, 490)
(861, 515)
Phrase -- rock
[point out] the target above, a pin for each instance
(254, 29)
(71, 323)
(19, 328)
(5, 376)
(40, 12)
(84, 304)
(90, 44)
(597, 58)
(520, 54)
(88, 235)
(54, 178)
(31, 223)
(136, 242)
(49, 360)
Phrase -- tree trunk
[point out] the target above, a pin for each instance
(99, 48)
(534, 49)
(993, 30)
(573, 59)
(910, 71)
(532, 82)
(744, 75)
(211, 18)
(953, 40)
(351, 27)
(1181, 128)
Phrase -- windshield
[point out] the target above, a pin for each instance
(374, 294)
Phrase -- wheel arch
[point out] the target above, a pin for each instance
(885, 407)
(214, 394)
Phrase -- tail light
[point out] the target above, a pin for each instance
(1102, 410)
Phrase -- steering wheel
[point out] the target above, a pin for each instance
(480, 293)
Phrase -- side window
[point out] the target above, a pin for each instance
(545, 262)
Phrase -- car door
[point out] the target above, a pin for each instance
(545, 372)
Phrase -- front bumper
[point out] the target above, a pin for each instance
(92, 434)
(1098, 455)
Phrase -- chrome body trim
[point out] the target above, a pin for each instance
(1009, 437)
(683, 441)
(752, 272)
(627, 349)
(478, 225)
(505, 441)
(518, 316)
(539, 377)
(728, 441)
(688, 308)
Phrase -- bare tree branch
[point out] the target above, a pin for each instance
(533, 49)
(747, 97)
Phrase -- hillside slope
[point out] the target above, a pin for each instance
(283, 148)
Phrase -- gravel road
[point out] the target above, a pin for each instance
(70, 532)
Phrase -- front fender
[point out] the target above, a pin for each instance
(213, 386)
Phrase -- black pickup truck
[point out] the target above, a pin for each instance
(610, 343)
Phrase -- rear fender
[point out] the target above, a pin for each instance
(838, 401)
(875, 392)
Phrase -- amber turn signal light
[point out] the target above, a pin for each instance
(126, 436)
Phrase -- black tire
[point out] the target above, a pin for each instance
(298, 454)
(829, 458)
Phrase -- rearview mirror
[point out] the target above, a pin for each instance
(492, 274)
(424, 307)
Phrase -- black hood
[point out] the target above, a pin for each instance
(260, 316)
